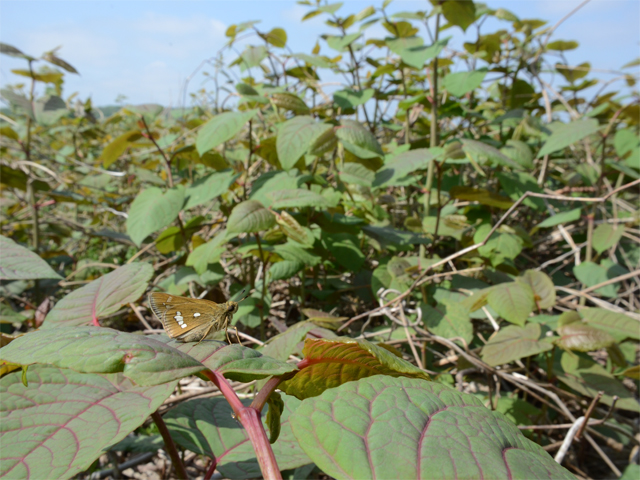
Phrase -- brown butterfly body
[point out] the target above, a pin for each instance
(190, 319)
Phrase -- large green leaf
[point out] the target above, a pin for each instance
(619, 325)
(285, 343)
(513, 301)
(402, 165)
(357, 174)
(568, 134)
(294, 139)
(544, 290)
(206, 426)
(220, 129)
(101, 297)
(561, 218)
(209, 187)
(346, 249)
(483, 153)
(513, 342)
(383, 427)
(298, 198)
(152, 210)
(448, 320)
(62, 422)
(461, 83)
(102, 350)
(591, 274)
(583, 337)
(459, 12)
(19, 263)
(330, 363)
(250, 217)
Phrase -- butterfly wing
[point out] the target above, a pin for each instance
(180, 315)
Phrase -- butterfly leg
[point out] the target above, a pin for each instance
(237, 335)
(226, 331)
(205, 334)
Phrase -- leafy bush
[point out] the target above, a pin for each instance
(442, 253)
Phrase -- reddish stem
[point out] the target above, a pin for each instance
(265, 392)
(250, 419)
(212, 468)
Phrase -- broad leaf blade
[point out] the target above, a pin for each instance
(382, 427)
(209, 187)
(616, 324)
(250, 217)
(19, 263)
(72, 418)
(568, 134)
(330, 363)
(221, 128)
(294, 138)
(101, 297)
(512, 343)
(583, 337)
(513, 301)
(102, 350)
(152, 210)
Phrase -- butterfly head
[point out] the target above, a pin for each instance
(232, 307)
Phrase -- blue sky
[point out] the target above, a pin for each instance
(146, 49)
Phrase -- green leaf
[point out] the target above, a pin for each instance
(274, 181)
(591, 274)
(294, 139)
(461, 83)
(459, 12)
(250, 217)
(588, 378)
(101, 297)
(513, 301)
(18, 179)
(330, 363)
(152, 210)
(625, 141)
(519, 152)
(402, 165)
(289, 101)
(252, 56)
(358, 140)
(357, 174)
(285, 269)
(324, 140)
(292, 229)
(296, 253)
(221, 128)
(568, 134)
(285, 343)
(513, 343)
(500, 246)
(481, 153)
(207, 253)
(207, 426)
(274, 412)
(448, 320)
(209, 187)
(346, 250)
(562, 45)
(298, 198)
(142, 359)
(72, 418)
(19, 263)
(544, 291)
(277, 37)
(117, 147)
(351, 98)
(480, 195)
(516, 184)
(606, 236)
(582, 337)
(561, 218)
(382, 427)
(341, 43)
(412, 51)
(235, 362)
(618, 325)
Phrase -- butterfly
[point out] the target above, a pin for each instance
(192, 319)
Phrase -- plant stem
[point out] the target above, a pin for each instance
(250, 419)
(265, 392)
(264, 288)
(181, 473)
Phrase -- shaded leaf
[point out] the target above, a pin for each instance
(402, 165)
(513, 301)
(357, 174)
(513, 342)
(481, 153)
(20, 263)
(209, 187)
(519, 152)
(72, 418)
(101, 297)
(459, 12)
(544, 290)
(409, 428)
(289, 101)
(358, 140)
(330, 363)
(568, 134)
(351, 98)
(117, 147)
(274, 413)
(448, 320)
(617, 324)
(606, 236)
(480, 195)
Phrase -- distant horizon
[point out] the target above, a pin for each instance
(148, 51)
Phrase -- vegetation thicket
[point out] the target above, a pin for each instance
(443, 255)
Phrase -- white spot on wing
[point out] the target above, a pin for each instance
(196, 314)
(178, 314)
(178, 318)
(183, 325)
